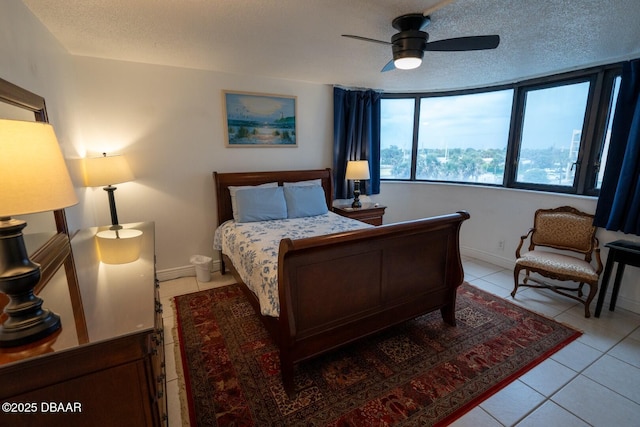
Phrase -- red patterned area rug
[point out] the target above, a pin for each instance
(422, 372)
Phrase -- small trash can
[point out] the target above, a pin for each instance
(203, 267)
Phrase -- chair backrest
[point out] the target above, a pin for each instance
(564, 228)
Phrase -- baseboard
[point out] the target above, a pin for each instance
(621, 302)
(502, 261)
(184, 271)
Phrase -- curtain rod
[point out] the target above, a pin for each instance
(358, 88)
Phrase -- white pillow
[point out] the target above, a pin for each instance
(234, 189)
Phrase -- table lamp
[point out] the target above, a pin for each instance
(33, 178)
(106, 171)
(357, 170)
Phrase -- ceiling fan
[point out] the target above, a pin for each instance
(410, 43)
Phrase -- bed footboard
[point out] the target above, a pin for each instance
(338, 288)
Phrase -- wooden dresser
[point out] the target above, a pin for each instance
(107, 370)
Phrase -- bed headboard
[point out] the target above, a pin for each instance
(224, 180)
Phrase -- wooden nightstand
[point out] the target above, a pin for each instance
(369, 213)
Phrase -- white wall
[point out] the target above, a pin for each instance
(33, 59)
(169, 123)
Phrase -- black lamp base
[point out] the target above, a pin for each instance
(356, 194)
(356, 202)
(29, 330)
(27, 321)
(112, 207)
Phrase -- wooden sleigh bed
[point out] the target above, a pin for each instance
(337, 288)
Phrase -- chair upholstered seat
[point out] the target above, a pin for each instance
(559, 265)
(571, 238)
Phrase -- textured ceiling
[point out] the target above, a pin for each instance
(301, 39)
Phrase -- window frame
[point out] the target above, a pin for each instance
(600, 123)
(596, 119)
(518, 124)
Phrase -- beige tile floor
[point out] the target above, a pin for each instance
(594, 381)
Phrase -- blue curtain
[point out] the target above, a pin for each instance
(356, 136)
(619, 202)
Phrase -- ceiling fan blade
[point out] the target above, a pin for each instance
(366, 39)
(464, 43)
(390, 66)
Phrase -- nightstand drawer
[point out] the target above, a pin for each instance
(369, 213)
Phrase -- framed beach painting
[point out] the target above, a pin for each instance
(259, 120)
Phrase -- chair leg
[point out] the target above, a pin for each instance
(516, 275)
(593, 290)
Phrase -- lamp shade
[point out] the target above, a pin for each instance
(357, 169)
(101, 171)
(33, 174)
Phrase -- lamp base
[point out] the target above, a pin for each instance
(26, 320)
(356, 194)
(21, 332)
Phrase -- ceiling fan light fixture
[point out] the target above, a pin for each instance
(407, 63)
(410, 42)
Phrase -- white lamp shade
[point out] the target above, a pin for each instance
(33, 174)
(102, 171)
(357, 169)
(407, 63)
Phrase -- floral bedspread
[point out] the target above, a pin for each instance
(253, 249)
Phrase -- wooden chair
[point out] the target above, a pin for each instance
(570, 235)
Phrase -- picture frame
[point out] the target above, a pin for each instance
(259, 119)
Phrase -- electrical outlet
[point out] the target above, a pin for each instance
(501, 245)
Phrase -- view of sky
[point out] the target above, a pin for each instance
(552, 114)
(471, 121)
(482, 120)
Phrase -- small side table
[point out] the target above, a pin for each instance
(624, 252)
(369, 213)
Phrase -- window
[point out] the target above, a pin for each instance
(547, 134)
(551, 134)
(396, 137)
(463, 138)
